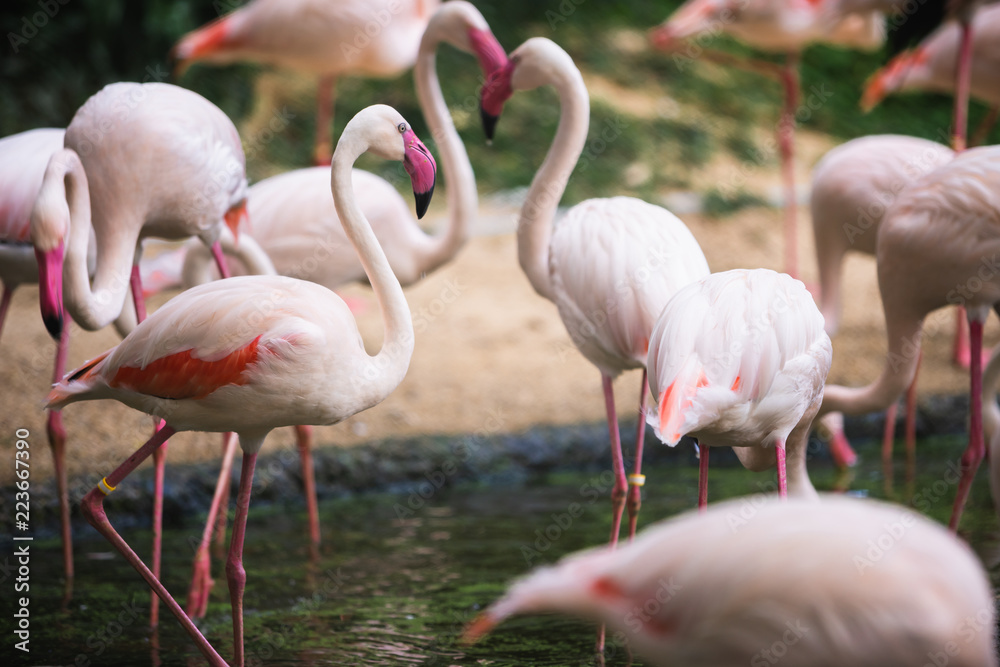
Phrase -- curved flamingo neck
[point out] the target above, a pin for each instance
(388, 367)
(534, 228)
(903, 335)
(463, 200)
(92, 307)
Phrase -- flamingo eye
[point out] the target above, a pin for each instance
(402, 128)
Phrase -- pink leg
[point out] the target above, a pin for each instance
(702, 477)
(201, 577)
(220, 260)
(637, 479)
(92, 507)
(960, 352)
(786, 142)
(135, 281)
(235, 573)
(303, 437)
(888, 438)
(223, 514)
(911, 418)
(57, 442)
(974, 453)
(963, 73)
(779, 453)
(160, 465)
(620, 487)
(325, 100)
(8, 292)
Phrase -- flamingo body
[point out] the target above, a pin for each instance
(724, 586)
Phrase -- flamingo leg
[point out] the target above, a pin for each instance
(92, 507)
(620, 487)
(304, 438)
(702, 477)
(235, 572)
(57, 442)
(637, 479)
(976, 449)
(325, 101)
(201, 576)
(222, 515)
(960, 353)
(911, 420)
(8, 292)
(963, 76)
(786, 143)
(779, 454)
(888, 438)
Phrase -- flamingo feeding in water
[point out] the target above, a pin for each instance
(840, 582)
(937, 246)
(609, 266)
(782, 26)
(331, 39)
(298, 224)
(255, 353)
(139, 160)
(852, 187)
(739, 359)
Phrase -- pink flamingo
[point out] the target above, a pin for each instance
(931, 66)
(781, 26)
(139, 160)
(373, 38)
(852, 187)
(297, 224)
(23, 158)
(934, 249)
(255, 353)
(739, 359)
(609, 266)
(797, 582)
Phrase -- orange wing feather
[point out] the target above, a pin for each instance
(180, 375)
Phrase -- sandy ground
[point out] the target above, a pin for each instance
(490, 354)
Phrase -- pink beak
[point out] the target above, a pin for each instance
(420, 165)
(50, 284)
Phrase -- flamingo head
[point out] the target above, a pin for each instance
(892, 77)
(692, 18)
(496, 91)
(50, 220)
(419, 164)
(236, 215)
(50, 263)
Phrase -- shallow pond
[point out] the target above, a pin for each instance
(398, 576)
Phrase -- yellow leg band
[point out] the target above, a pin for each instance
(637, 480)
(104, 487)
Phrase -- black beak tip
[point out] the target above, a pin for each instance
(54, 325)
(489, 123)
(423, 201)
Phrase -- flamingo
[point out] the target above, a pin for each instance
(139, 160)
(932, 64)
(255, 353)
(738, 359)
(936, 247)
(23, 158)
(852, 187)
(782, 26)
(609, 266)
(297, 224)
(331, 39)
(841, 582)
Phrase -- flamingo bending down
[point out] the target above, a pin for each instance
(724, 586)
(139, 160)
(739, 359)
(609, 266)
(255, 353)
(332, 38)
(932, 64)
(781, 26)
(297, 223)
(852, 187)
(937, 246)
(23, 158)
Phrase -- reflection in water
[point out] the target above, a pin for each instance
(392, 585)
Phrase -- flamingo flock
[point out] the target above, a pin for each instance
(736, 358)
